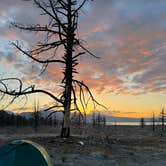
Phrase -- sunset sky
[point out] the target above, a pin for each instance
(128, 35)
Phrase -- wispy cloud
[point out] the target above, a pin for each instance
(130, 37)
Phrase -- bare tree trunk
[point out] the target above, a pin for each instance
(162, 119)
(68, 75)
(153, 122)
(65, 132)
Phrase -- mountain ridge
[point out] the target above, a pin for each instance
(59, 115)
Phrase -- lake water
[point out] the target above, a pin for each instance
(131, 123)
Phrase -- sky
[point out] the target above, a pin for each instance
(128, 35)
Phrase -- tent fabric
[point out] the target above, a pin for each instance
(24, 153)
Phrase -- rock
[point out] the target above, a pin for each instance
(81, 143)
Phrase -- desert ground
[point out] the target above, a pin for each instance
(103, 146)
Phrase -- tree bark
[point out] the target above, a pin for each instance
(68, 76)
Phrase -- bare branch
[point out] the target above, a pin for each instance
(36, 28)
(75, 103)
(26, 91)
(79, 54)
(43, 69)
(52, 107)
(88, 90)
(51, 15)
(82, 4)
(77, 42)
(35, 59)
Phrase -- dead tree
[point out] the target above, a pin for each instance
(153, 122)
(60, 34)
(104, 121)
(142, 122)
(94, 119)
(162, 119)
(36, 116)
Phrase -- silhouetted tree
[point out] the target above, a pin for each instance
(142, 122)
(2, 118)
(36, 116)
(85, 119)
(60, 34)
(94, 119)
(98, 120)
(153, 122)
(162, 119)
(104, 121)
(76, 119)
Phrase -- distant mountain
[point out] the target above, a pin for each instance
(119, 119)
(43, 114)
(8, 112)
(59, 116)
(125, 119)
(26, 114)
(3, 112)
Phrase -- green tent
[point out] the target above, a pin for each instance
(24, 153)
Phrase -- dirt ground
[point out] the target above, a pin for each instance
(111, 145)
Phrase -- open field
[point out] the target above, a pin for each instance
(111, 145)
